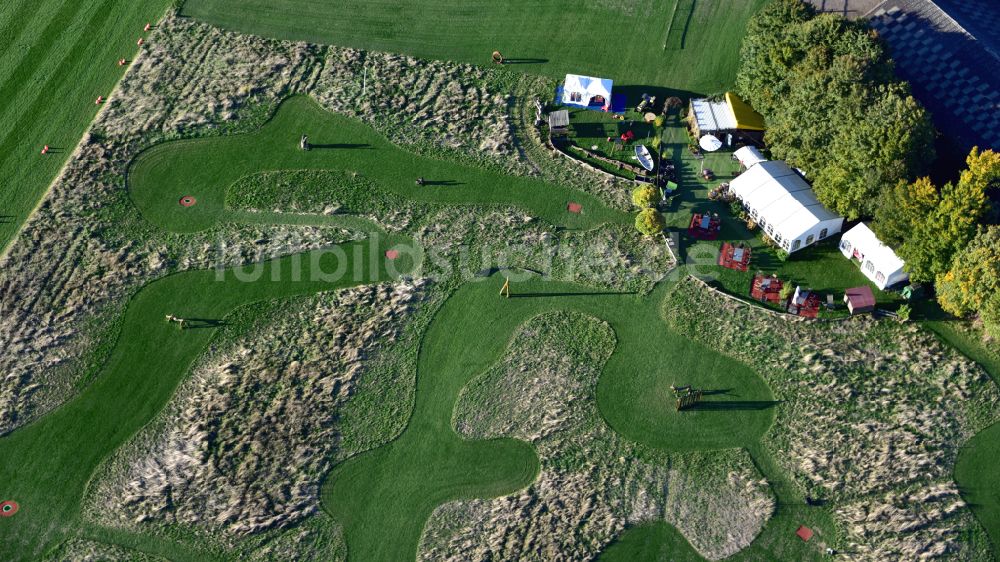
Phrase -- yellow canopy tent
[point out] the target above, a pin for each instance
(746, 118)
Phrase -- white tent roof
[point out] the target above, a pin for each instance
(781, 198)
(748, 156)
(864, 240)
(713, 115)
(587, 86)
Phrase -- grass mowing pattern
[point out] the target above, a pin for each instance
(58, 56)
(621, 39)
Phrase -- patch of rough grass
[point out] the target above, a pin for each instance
(592, 481)
(84, 550)
(872, 416)
(243, 447)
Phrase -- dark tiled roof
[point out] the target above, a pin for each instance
(955, 74)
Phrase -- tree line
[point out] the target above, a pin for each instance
(835, 109)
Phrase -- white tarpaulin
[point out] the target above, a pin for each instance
(580, 90)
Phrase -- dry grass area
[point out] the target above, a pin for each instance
(85, 250)
(242, 447)
(872, 416)
(592, 482)
(83, 550)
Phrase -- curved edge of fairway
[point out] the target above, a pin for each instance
(978, 480)
(205, 167)
(384, 496)
(634, 396)
(59, 453)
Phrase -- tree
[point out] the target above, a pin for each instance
(930, 228)
(833, 107)
(972, 283)
(644, 196)
(902, 208)
(650, 222)
(990, 315)
(768, 52)
(890, 139)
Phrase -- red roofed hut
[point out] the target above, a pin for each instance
(860, 300)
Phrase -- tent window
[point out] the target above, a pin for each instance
(796, 244)
(822, 234)
(844, 245)
(809, 239)
(869, 267)
(879, 277)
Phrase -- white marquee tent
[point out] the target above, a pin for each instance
(784, 205)
(748, 156)
(580, 90)
(878, 262)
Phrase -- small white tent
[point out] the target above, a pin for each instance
(748, 156)
(581, 91)
(784, 205)
(878, 262)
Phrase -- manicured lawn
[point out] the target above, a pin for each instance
(979, 480)
(691, 46)
(651, 541)
(57, 57)
(205, 168)
(382, 497)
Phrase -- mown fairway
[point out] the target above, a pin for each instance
(382, 497)
(205, 168)
(56, 57)
(681, 44)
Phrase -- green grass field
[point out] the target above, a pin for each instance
(619, 39)
(204, 168)
(384, 496)
(429, 463)
(57, 57)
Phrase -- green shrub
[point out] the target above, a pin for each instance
(644, 196)
(736, 208)
(650, 222)
(786, 291)
(903, 312)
